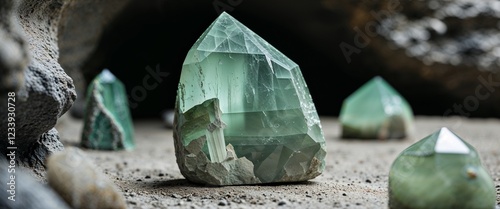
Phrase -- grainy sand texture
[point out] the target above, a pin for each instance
(356, 171)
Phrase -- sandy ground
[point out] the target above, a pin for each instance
(356, 171)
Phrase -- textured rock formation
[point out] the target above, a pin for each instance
(197, 167)
(13, 50)
(47, 92)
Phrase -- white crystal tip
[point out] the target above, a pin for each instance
(107, 76)
(448, 142)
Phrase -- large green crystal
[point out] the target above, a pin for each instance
(244, 114)
(376, 111)
(441, 171)
(107, 121)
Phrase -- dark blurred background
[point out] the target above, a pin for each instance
(435, 53)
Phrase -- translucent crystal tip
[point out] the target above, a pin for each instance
(107, 76)
(448, 142)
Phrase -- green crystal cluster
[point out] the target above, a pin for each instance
(376, 111)
(107, 121)
(441, 171)
(244, 114)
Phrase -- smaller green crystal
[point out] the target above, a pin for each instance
(376, 111)
(107, 121)
(440, 171)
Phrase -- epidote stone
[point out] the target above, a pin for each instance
(244, 114)
(107, 122)
(376, 111)
(440, 171)
(76, 179)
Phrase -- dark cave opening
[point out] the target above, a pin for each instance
(157, 37)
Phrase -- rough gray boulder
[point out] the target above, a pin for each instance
(13, 50)
(47, 92)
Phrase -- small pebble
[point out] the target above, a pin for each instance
(75, 177)
(168, 118)
(282, 202)
(223, 202)
(119, 166)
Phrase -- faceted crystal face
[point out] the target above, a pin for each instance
(376, 111)
(440, 171)
(239, 95)
(107, 120)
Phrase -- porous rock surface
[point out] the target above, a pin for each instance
(28, 56)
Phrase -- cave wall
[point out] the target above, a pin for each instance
(339, 45)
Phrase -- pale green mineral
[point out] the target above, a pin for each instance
(107, 122)
(441, 171)
(244, 114)
(376, 111)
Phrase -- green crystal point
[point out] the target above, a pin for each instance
(244, 106)
(376, 111)
(107, 121)
(440, 171)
